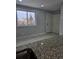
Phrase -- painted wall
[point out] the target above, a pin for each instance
(48, 22)
(29, 30)
(61, 22)
(40, 21)
(44, 20)
(55, 23)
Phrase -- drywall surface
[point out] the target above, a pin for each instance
(38, 28)
(45, 22)
(40, 23)
(48, 22)
(55, 23)
(61, 22)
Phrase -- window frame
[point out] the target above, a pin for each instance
(27, 17)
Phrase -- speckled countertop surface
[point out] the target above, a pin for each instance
(47, 49)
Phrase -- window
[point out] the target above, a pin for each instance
(31, 18)
(25, 18)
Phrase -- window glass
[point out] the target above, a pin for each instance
(31, 18)
(25, 18)
(21, 18)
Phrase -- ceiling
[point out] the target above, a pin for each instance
(49, 5)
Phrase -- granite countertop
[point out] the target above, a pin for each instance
(46, 49)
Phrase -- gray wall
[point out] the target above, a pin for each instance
(61, 22)
(43, 18)
(55, 23)
(48, 22)
(29, 30)
(40, 21)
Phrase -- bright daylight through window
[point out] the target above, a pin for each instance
(25, 18)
